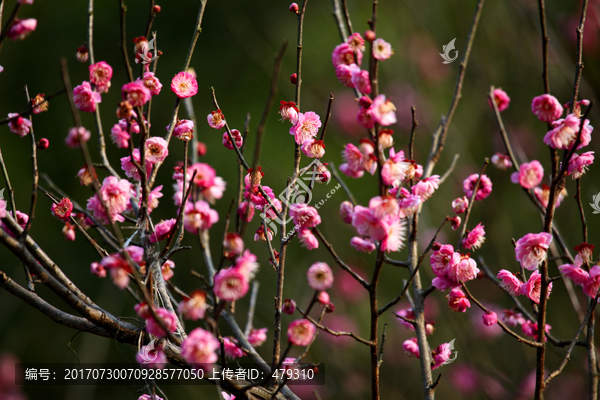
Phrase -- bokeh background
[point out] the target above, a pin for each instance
(235, 54)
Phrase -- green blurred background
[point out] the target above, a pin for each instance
(235, 54)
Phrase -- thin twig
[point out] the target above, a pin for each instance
(338, 178)
(450, 169)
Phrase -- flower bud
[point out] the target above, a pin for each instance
(294, 78)
(43, 144)
(369, 35)
(294, 8)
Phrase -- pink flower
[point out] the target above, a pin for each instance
(464, 271)
(237, 136)
(442, 259)
(593, 283)
(130, 169)
(150, 396)
(194, 306)
(531, 329)
(501, 161)
(346, 209)
(257, 336)
(543, 195)
(289, 306)
(383, 111)
(382, 50)
(320, 276)
(353, 158)
(510, 282)
(216, 119)
(200, 347)
(230, 284)
(168, 318)
(578, 275)
(135, 93)
(363, 245)
(529, 175)
(304, 216)
(313, 148)
(407, 313)
(578, 164)
(62, 210)
(22, 28)
(119, 134)
(184, 130)
(344, 54)
(512, 318)
(394, 233)
(152, 83)
(408, 205)
(533, 287)
(475, 238)
(308, 240)
(85, 99)
(116, 194)
(546, 107)
(199, 216)
(501, 99)
(396, 169)
(307, 126)
(485, 186)
(365, 117)
(245, 211)
(360, 80)
(441, 354)
(425, 188)
(76, 136)
(301, 332)
(232, 350)
(323, 298)
(363, 219)
(459, 205)
(356, 42)
(98, 270)
(18, 124)
(457, 300)
(345, 72)
(162, 230)
(156, 150)
(233, 245)
(288, 111)
(489, 318)
(411, 347)
(531, 249)
(184, 85)
(100, 75)
(224, 394)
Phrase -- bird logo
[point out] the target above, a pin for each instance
(447, 48)
(146, 48)
(451, 360)
(595, 205)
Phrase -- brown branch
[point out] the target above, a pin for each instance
(332, 332)
(581, 213)
(579, 66)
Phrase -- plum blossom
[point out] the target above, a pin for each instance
(356, 42)
(308, 239)
(546, 107)
(85, 98)
(353, 158)
(529, 175)
(474, 238)
(313, 148)
(411, 347)
(230, 284)
(237, 136)
(199, 216)
(460, 204)
(76, 136)
(130, 169)
(156, 150)
(362, 244)
(565, 131)
(578, 164)
(233, 245)
(115, 194)
(457, 300)
(501, 99)
(543, 195)
(152, 83)
(441, 354)
(593, 283)
(465, 270)
(62, 210)
(162, 230)
(22, 28)
(484, 190)
(346, 209)
(184, 130)
(531, 329)
(100, 75)
(531, 249)
(320, 276)
(345, 54)
(383, 111)
(168, 318)
(382, 50)
(306, 127)
(288, 111)
(216, 119)
(512, 318)
(394, 231)
(360, 80)
(200, 347)
(533, 287)
(135, 93)
(442, 259)
(344, 74)
(509, 282)
(184, 85)
(18, 124)
(489, 318)
(301, 332)
(257, 336)
(304, 216)
(232, 350)
(395, 169)
(425, 188)
(578, 275)
(501, 161)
